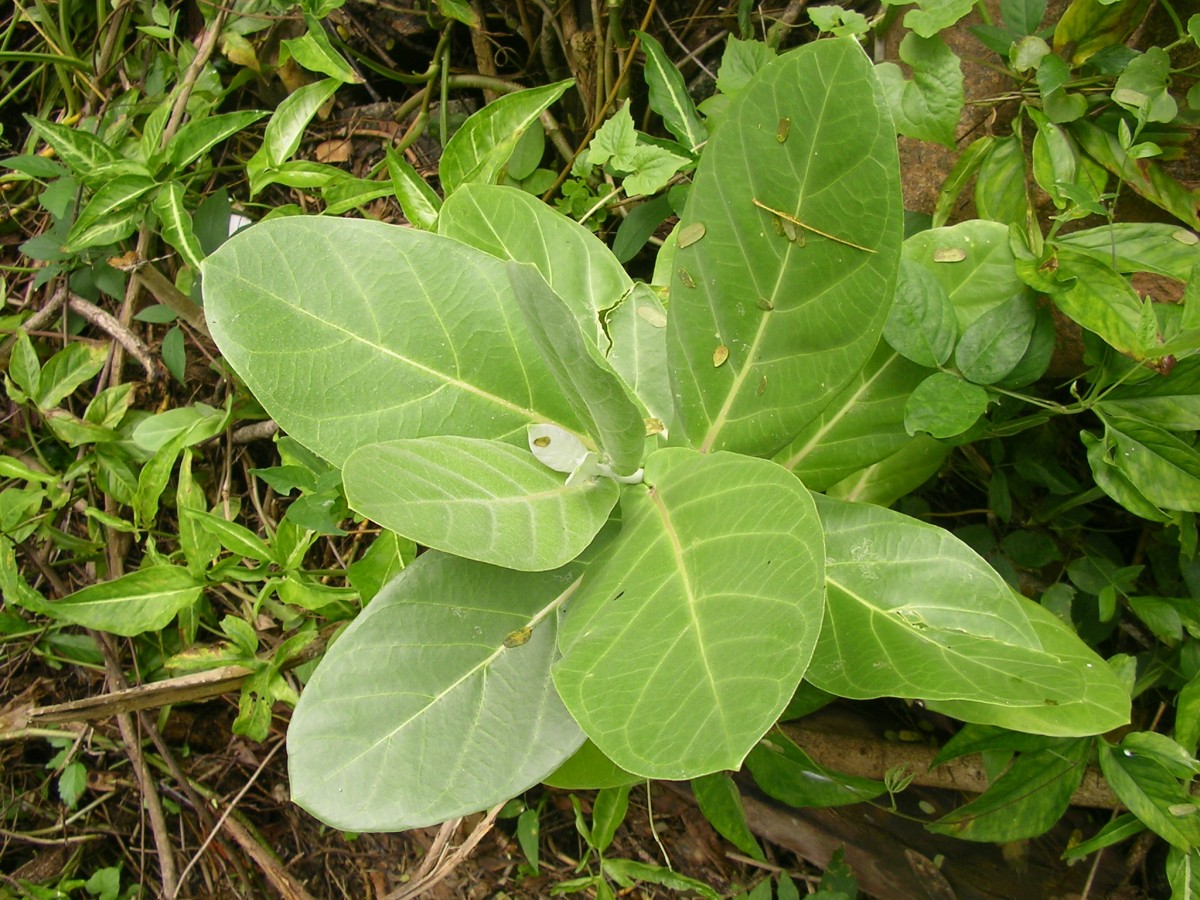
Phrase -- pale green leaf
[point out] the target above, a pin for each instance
(973, 262)
(805, 318)
(1183, 869)
(679, 616)
(740, 62)
(1138, 247)
(511, 224)
(931, 16)
(478, 499)
(421, 332)
(145, 600)
(637, 327)
(286, 128)
(427, 707)
(900, 473)
(593, 390)
(82, 151)
(913, 612)
(1171, 402)
(480, 148)
(863, 425)
(1101, 704)
(1000, 184)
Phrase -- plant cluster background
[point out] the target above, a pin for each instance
(506, 447)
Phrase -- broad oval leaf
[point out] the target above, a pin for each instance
(145, 600)
(512, 224)
(352, 332)
(913, 612)
(798, 307)
(430, 705)
(688, 638)
(638, 329)
(479, 499)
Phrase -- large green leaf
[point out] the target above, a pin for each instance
(913, 612)
(600, 399)
(480, 499)
(1138, 247)
(513, 224)
(769, 318)
(1164, 467)
(863, 425)
(688, 639)
(1101, 705)
(637, 328)
(352, 332)
(436, 701)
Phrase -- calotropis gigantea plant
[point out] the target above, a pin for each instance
(615, 555)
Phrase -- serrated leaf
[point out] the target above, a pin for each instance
(676, 600)
(292, 302)
(145, 600)
(480, 148)
(911, 611)
(477, 499)
(401, 728)
(669, 95)
(838, 173)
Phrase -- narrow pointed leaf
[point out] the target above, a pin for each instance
(1149, 791)
(421, 331)
(804, 315)
(1026, 800)
(176, 223)
(481, 147)
(107, 204)
(198, 137)
(80, 150)
(478, 499)
(598, 397)
(145, 600)
(683, 645)
(419, 201)
(669, 96)
(436, 701)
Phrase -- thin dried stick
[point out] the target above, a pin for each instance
(477, 834)
(118, 332)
